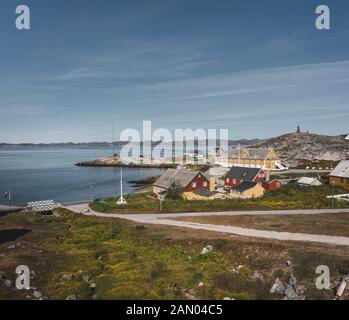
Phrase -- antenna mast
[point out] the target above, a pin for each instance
(113, 127)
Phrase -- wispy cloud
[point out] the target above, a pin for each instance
(144, 62)
(292, 79)
(285, 44)
(76, 74)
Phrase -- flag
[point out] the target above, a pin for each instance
(7, 195)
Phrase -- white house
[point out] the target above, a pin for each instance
(306, 181)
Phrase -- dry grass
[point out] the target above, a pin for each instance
(336, 224)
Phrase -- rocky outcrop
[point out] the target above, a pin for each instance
(299, 148)
(207, 249)
(292, 291)
(114, 161)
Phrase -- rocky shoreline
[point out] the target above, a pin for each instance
(115, 161)
(143, 185)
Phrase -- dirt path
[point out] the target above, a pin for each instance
(161, 219)
(7, 209)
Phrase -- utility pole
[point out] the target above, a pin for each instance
(160, 201)
(332, 193)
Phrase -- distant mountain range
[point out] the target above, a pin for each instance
(245, 142)
(65, 145)
(242, 142)
(293, 148)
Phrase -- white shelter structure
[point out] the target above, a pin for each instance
(308, 181)
(42, 206)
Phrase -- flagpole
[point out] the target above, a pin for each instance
(121, 199)
(121, 183)
(9, 198)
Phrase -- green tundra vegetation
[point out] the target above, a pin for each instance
(110, 258)
(288, 197)
(123, 261)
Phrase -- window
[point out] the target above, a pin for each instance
(204, 184)
(193, 184)
(234, 181)
(227, 180)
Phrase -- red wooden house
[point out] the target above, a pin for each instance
(236, 175)
(272, 185)
(189, 180)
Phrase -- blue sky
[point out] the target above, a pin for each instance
(258, 68)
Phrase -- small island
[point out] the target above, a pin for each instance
(115, 161)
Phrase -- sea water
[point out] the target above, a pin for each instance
(35, 174)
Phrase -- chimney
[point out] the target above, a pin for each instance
(267, 175)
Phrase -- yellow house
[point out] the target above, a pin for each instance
(203, 194)
(247, 190)
(265, 158)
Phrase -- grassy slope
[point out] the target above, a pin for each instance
(288, 197)
(154, 262)
(124, 260)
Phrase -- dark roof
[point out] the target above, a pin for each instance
(243, 173)
(205, 192)
(243, 186)
(183, 177)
